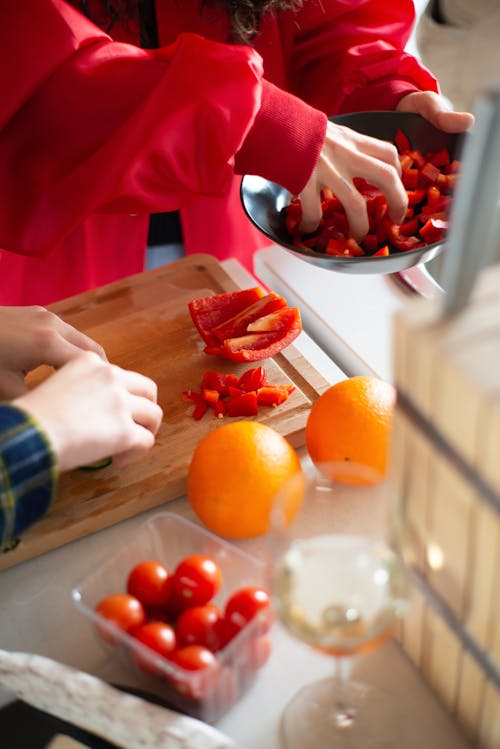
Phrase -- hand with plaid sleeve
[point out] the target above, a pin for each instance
(87, 410)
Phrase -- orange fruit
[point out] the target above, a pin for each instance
(234, 475)
(351, 421)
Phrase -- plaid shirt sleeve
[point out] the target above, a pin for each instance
(28, 474)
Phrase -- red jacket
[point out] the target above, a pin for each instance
(96, 134)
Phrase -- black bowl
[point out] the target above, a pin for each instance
(264, 201)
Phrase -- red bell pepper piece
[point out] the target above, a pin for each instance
(238, 324)
(242, 405)
(252, 379)
(440, 158)
(200, 407)
(272, 395)
(210, 311)
(383, 252)
(433, 230)
(210, 396)
(218, 381)
(430, 173)
(402, 142)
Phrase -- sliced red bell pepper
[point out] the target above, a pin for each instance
(258, 346)
(236, 401)
(210, 311)
(238, 324)
(252, 379)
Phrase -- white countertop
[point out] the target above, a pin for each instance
(37, 615)
(349, 316)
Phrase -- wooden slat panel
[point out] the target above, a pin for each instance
(441, 658)
(489, 731)
(470, 696)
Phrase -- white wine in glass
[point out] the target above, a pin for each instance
(339, 585)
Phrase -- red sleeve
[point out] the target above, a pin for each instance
(349, 55)
(285, 140)
(90, 125)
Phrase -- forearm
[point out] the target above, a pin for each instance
(28, 474)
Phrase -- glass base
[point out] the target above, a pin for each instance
(366, 718)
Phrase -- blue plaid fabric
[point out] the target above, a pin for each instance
(28, 475)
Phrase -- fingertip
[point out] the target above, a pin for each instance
(307, 227)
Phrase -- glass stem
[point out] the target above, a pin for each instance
(345, 712)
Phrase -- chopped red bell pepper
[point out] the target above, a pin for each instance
(429, 180)
(200, 406)
(402, 142)
(242, 405)
(272, 395)
(218, 381)
(255, 390)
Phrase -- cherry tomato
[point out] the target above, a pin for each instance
(201, 625)
(124, 610)
(244, 605)
(160, 638)
(148, 581)
(197, 579)
(201, 660)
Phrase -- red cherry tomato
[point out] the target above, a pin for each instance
(197, 579)
(201, 625)
(148, 581)
(201, 660)
(160, 638)
(244, 605)
(124, 610)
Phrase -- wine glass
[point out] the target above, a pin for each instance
(339, 585)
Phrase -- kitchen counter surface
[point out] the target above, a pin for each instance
(37, 615)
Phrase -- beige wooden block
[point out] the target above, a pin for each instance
(470, 696)
(451, 364)
(455, 406)
(412, 627)
(399, 347)
(449, 544)
(398, 453)
(488, 455)
(441, 658)
(488, 282)
(489, 728)
(494, 628)
(411, 456)
(482, 604)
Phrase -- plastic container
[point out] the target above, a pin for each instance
(169, 538)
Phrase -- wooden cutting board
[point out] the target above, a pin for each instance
(143, 323)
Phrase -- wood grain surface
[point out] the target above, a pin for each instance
(143, 322)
